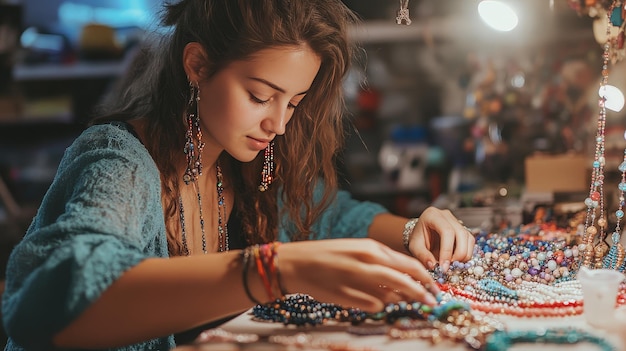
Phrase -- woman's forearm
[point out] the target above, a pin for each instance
(159, 297)
(387, 228)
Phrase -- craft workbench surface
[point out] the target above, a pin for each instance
(339, 333)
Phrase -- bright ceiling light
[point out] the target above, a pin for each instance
(497, 15)
(614, 97)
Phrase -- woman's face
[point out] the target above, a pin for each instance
(246, 104)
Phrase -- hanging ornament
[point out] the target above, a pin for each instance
(402, 15)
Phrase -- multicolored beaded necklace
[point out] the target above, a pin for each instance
(597, 253)
(222, 226)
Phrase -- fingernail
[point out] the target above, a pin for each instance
(445, 266)
(430, 264)
(430, 300)
(433, 289)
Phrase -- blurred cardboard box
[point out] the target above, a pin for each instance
(557, 173)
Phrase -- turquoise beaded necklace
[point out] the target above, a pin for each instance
(502, 340)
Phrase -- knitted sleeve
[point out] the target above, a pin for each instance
(100, 217)
(344, 218)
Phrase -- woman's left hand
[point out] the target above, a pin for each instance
(439, 237)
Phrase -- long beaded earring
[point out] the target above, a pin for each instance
(193, 149)
(193, 152)
(403, 13)
(267, 174)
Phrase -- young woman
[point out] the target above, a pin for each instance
(164, 214)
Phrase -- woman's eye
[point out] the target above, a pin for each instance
(257, 100)
(291, 106)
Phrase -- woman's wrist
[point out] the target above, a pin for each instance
(409, 226)
(264, 258)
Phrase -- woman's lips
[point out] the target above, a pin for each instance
(258, 144)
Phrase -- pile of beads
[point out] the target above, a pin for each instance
(460, 325)
(512, 260)
(521, 276)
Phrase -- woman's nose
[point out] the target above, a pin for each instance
(277, 121)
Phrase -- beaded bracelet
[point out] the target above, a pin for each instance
(269, 259)
(245, 254)
(262, 271)
(406, 233)
(265, 260)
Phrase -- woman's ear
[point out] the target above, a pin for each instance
(195, 61)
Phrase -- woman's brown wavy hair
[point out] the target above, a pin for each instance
(232, 30)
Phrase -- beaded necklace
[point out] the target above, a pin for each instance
(502, 340)
(450, 319)
(222, 227)
(615, 258)
(593, 243)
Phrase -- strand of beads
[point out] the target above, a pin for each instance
(565, 291)
(302, 309)
(515, 307)
(450, 319)
(593, 241)
(615, 258)
(502, 340)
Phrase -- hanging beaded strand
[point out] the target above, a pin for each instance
(194, 164)
(615, 257)
(194, 157)
(594, 253)
(222, 228)
(268, 167)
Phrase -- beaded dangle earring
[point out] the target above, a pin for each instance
(403, 13)
(267, 174)
(193, 150)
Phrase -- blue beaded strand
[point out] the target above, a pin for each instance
(502, 340)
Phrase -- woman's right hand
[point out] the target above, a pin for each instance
(359, 273)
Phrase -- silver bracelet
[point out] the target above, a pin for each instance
(406, 233)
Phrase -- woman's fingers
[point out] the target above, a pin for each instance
(386, 285)
(455, 241)
(353, 272)
(356, 298)
(406, 275)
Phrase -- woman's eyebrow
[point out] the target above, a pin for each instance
(273, 86)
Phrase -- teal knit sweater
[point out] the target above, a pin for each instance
(101, 216)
